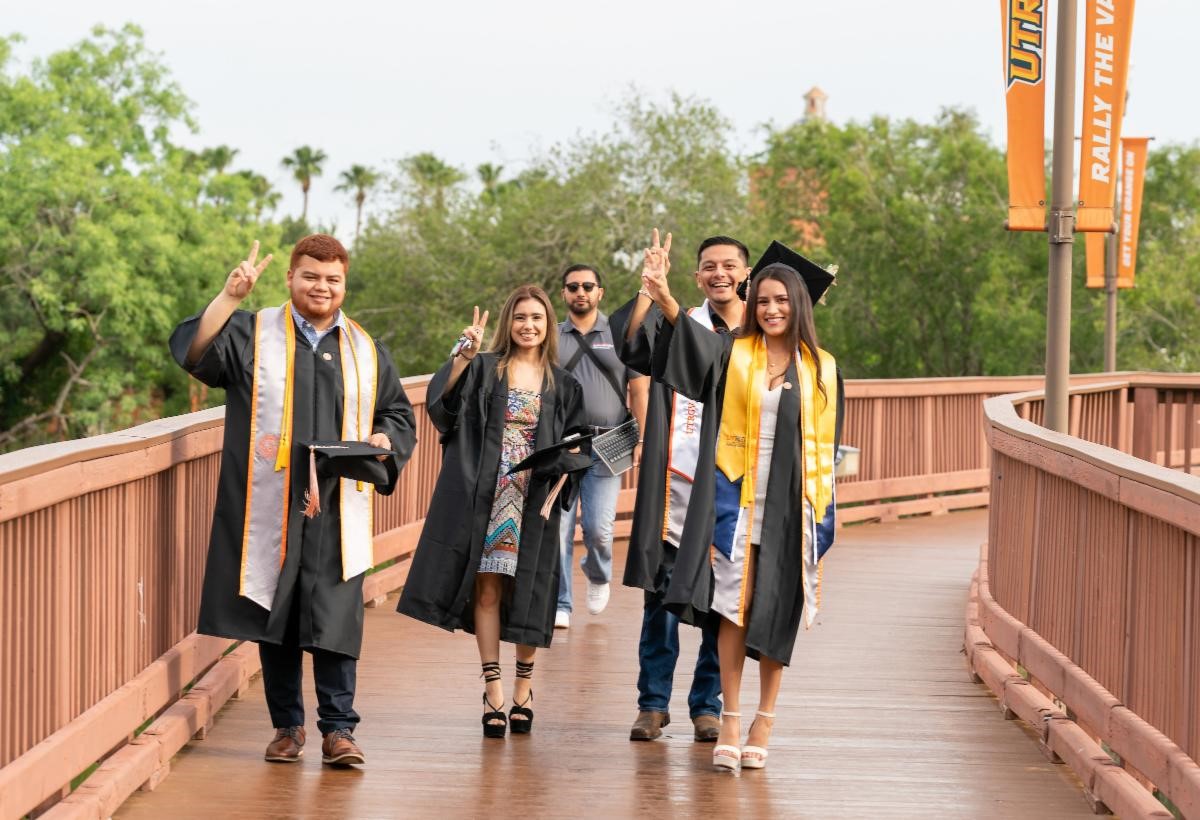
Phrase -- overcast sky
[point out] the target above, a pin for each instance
(495, 82)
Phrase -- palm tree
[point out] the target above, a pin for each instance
(432, 177)
(218, 158)
(489, 175)
(305, 163)
(264, 197)
(358, 179)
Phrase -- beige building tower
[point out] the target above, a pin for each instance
(814, 104)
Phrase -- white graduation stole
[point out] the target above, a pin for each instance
(683, 446)
(268, 482)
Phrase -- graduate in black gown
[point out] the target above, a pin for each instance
(487, 561)
(755, 561)
(289, 581)
(672, 446)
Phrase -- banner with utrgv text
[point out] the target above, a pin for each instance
(1105, 74)
(1024, 43)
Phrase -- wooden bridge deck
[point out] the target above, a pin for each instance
(877, 718)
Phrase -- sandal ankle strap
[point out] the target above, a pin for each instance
(761, 713)
(731, 714)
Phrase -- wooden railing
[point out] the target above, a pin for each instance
(1087, 613)
(102, 545)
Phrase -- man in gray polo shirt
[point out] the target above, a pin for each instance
(606, 383)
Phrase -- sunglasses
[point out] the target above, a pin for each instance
(574, 287)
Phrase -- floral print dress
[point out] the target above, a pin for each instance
(504, 526)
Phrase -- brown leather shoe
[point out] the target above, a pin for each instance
(648, 725)
(708, 727)
(287, 746)
(339, 749)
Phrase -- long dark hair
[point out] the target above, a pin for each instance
(802, 330)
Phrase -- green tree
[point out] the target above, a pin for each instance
(431, 178)
(305, 163)
(929, 283)
(102, 249)
(1159, 319)
(359, 179)
(219, 158)
(593, 199)
(489, 175)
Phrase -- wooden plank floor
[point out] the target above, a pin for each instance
(877, 718)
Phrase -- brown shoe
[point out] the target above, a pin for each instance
(648, 725)
(339, 749)
(707, 728)
(287, 746)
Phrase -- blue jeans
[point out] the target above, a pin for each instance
(334, 675)
(597, 502)
(658, 650)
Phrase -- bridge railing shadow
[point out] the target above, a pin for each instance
(103, 540)
(1086, 618)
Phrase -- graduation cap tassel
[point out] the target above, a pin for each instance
(312, 496)
(550, 499)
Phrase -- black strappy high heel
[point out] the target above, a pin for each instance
(520, 715)
(491, 672)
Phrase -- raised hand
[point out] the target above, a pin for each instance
(655, 268)
(242, 278)
(474, 333)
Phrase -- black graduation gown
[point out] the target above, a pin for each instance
(441, 583)
(646, 535)
(329, 610)
(693, 360)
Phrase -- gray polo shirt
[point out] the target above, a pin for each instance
(601, 405)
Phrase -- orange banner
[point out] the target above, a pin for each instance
(1133, 168)
(1094, 250)
(1025, 96)
(1105, 71)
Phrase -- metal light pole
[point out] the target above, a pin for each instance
(1062, 225)
(1110, 311)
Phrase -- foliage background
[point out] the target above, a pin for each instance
(110, 233)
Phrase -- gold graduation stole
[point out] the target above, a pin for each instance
(737, 439)
(268, 480)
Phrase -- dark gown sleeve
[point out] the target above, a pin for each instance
(635, 353)
(689, 358)
(227, 359)
(573, 464)
(442, 406)
(393, 416)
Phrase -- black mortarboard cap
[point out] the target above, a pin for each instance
(815, 277)
(558, 455)
(355, 460)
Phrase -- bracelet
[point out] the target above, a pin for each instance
(646, 293)
(641, 441)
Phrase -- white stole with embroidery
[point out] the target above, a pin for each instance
(268, 483)
(683, 448)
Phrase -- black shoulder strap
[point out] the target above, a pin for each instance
(586, 347)
(574, 360)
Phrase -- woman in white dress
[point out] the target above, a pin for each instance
(773, 479)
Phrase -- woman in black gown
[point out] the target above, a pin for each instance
(487, 559)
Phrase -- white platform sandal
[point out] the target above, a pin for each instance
(755, 757)
(726, 756)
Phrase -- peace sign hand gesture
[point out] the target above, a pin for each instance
(242, 278)
(474, 335)
(655, 268)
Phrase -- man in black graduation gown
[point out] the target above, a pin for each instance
(672, 444)
(279, 572)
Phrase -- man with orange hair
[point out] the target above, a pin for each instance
(290, 543)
